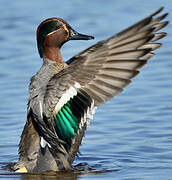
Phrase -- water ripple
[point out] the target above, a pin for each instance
(130, 137)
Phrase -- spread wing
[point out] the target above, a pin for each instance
(104, 69)
(93, 77)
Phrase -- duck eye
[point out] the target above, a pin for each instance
(57, 26)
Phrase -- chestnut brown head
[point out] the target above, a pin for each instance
(54, 32)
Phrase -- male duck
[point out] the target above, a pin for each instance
(63, 96)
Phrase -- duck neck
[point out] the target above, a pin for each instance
(53, 53)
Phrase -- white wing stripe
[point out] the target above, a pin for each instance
(70, 93)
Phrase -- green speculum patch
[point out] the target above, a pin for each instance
(67, 123)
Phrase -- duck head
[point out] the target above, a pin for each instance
(52, 33)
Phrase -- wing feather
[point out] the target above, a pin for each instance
(102, 71)
(116, 60)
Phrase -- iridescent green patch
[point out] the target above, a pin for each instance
(67, 123)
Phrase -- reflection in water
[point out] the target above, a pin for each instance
(77, 171)
(50, 175)
(59, 176)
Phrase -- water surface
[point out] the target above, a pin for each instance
(131, 135)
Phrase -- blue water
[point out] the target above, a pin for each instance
(131, 135)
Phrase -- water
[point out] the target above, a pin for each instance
(131, 135)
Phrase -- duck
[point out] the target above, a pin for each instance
(63, 95)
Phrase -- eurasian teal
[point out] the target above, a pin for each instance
(64, 95)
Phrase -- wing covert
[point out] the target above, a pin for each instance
(104, 69)
(96, 75)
